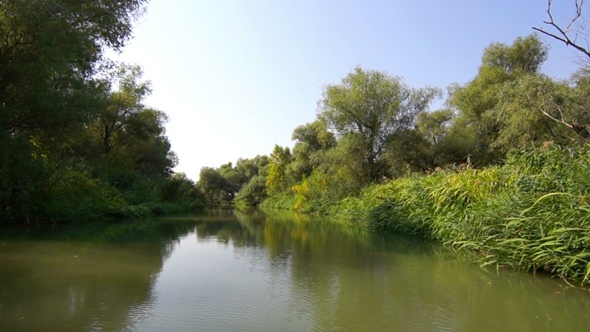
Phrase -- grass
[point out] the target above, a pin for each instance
(531, 214)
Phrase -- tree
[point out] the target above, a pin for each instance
(487, 108)
(122, 104)
(179, 188)
(254, 172)
(50, 51)
(313, 140)
(424, 147)
(279, 179)
(250, 168)
(369, 108)
(144, 141)
(564, 104)
(253, 192)
(124, 135)
(213, 184)
(568, 33)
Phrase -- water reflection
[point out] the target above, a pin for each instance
(80, 278)
(236, 271)
(343, 278)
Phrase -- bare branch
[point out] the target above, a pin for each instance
(562, 33)
(555, 119)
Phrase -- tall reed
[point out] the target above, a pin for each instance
(531, 213)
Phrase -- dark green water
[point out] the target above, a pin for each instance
(257, 272)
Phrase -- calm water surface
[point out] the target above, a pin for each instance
(256, 272)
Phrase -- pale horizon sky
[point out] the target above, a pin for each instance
(237, 77)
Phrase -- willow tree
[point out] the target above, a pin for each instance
(370, 108)
(490, 111)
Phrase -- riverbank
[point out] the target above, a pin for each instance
(73, 196)
(530, 214)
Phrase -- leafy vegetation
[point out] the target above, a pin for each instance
(244, 183)
(531, 213)
(77, 141)
(501, 170)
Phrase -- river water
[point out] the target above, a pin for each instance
(233, 271)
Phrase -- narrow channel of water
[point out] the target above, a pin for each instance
(257, 272)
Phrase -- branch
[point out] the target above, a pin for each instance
(556, 119)
(563, 33)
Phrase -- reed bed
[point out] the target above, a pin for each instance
(532, 213)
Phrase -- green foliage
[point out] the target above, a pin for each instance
(313, 140)
(524, 56)
(75, 196)
(213, 185)
(77, 142)
(531, 213)
(253, 192)
(49, 51)
(229, 184)
(279, 202)
(497, 110)
(315, 193)
(369, 108)
(181, 194)
(279, 180)
(253, 174)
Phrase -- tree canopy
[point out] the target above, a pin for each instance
(369, 108)
(71, 119)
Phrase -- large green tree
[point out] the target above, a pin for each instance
(126, 133)
(370, 108)
(214, 185)
(50, 51)
(430, 144)
(492, 107)
(254, 172)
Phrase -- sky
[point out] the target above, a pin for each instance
(236, 77)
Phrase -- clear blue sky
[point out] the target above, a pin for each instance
(237, 76)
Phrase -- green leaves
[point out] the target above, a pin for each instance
(67, 125)
(541, 226)
(371, 108)
(524, 56)
(498, 108)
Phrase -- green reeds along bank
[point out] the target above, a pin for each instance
(532, 213)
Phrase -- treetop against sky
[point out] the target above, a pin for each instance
(236, 78)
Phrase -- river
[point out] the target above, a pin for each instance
(236, 271)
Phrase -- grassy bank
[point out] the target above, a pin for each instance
(531, 214)
(281, 202)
